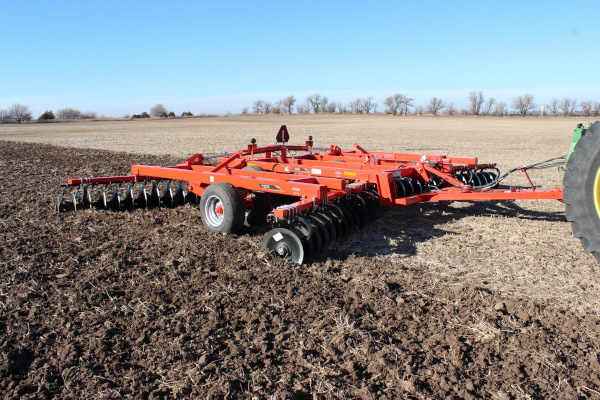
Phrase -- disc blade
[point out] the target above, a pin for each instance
(129, 201)
(58, 206)
(315, 235)
(115, 201)
(167, 198)
(142, 198)
(102, 203)
(85, 199)
(329, 224)
(321, 227)
(377, 203)
(400, 189)
(287, 243)
(418, 186)
(358, 204)
(179, 197)
(370, 205)
(476, 181)
(349, 216)
(154, 200)
(305, 233)
(341, 226)
(74, 200)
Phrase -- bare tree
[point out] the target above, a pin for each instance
(267, 107)
(158, 110)
(301, 109)
(314, 102)
(89, 115)
(587, 107)
(488, 106)
(573, 107)
(568, 106)
(450, 110)
(597, 109)
(324, 104)
(397, 104)
(393, 104)
(407, 103)
(356, 106)
(257, 106)
(340, 107)
(500, 109)
(330, 107)
(3, 115)
(245, 110)
(419, 110)
(279, 105)
(368, 105)
(435, 106)
(524, 104)
(565, 106)
(288, 104)
(553, 107)
(19, 113)
(68, 113)
(276, 109)
(475, 101)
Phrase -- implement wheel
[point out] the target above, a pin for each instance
(222, 208)
(582, 190)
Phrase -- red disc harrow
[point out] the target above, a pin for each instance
(312, 197)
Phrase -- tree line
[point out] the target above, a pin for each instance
(396, 104)
(403, 104)
(20, 113)
(159, 111)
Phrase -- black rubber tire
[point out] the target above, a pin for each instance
(233, 207)
(262, 203)
(578, 182)
(262, 207)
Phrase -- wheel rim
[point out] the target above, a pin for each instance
(213, 209)
(597, 192)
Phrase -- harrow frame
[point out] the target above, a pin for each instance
(309, 179)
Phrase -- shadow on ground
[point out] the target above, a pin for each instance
(400, 230)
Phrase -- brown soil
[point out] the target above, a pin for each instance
(149, 304)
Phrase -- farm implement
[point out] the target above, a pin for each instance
(313, 197)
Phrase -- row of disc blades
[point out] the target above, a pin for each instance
(406, 187)
(311, 232)
(124, 198)
(476, 178)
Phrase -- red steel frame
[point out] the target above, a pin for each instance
(315, 176)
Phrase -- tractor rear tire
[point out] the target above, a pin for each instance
(222, 208)
(582, 190)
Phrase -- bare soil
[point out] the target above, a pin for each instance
(149, 304)
(522, 248)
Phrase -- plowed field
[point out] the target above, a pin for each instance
(492, 300)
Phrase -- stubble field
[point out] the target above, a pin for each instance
(493, 299)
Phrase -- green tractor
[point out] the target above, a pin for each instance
(582, 186)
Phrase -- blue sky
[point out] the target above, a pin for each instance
(122, 57)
